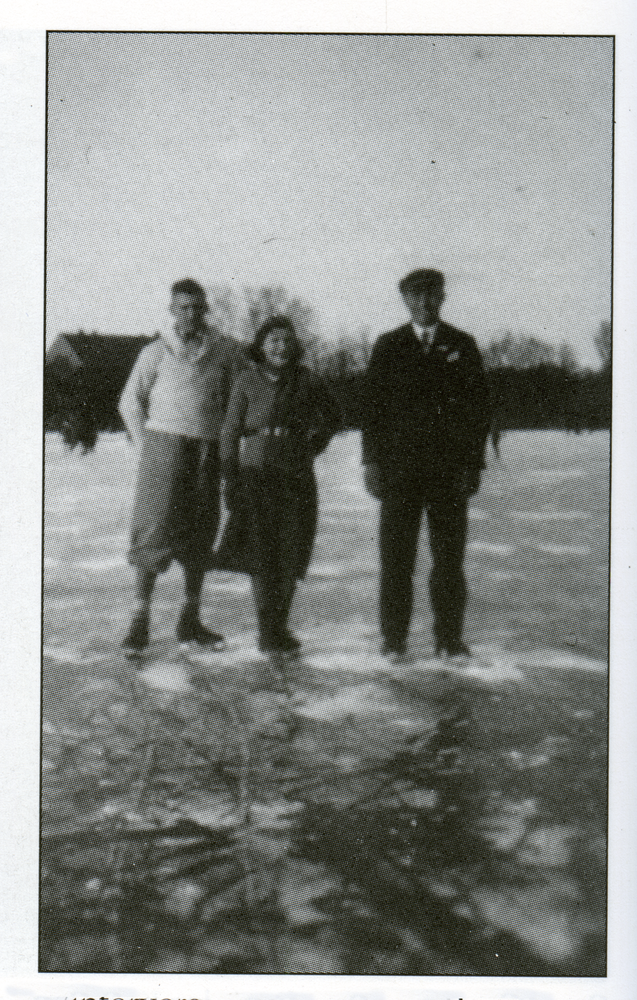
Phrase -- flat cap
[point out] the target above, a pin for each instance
(426, 278)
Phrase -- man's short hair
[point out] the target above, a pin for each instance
(415, 281)
(188, 287)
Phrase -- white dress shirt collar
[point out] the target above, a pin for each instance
(425, 334)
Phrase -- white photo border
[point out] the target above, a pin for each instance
(22, 120)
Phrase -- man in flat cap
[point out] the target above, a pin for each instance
(426, 420)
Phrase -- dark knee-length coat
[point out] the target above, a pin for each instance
(272, 432)
(426, 412)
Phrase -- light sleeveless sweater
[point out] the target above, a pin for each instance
(180, 388)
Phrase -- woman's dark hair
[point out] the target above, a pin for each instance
(275, 323)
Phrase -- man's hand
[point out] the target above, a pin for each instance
(372, 478)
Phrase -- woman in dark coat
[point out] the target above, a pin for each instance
(280, 416)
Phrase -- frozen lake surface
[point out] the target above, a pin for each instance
(537, 555)
(336, 814)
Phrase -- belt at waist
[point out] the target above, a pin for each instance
(266, 432)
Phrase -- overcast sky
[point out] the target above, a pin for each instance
(332, 165)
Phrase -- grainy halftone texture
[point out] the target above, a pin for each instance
(332, 165)
(332, 813)
(176, 507)
(226, 813)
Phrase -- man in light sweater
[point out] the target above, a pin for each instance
(173, 406)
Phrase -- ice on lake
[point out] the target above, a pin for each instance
(88, 499)
(411, 818)
(549, 514)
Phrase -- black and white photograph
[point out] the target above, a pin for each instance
(347, 313)
(336, 311)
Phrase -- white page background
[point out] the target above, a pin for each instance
(22, 124)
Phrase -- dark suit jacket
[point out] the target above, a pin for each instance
(426, 414)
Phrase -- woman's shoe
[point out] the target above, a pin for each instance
(190, 630)
(268, 640)
(457, 648)
(288, 642)
(136, 639)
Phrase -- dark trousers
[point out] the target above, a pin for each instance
(282, 517)
(400, 520)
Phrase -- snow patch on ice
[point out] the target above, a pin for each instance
(65, 529)
(554, 475)
(506, 662)
(558, 660)
(362, 660)
(241, 651)
(493, 547)
(233, 583)
(335, 571)
(562, 550)
(490, 664)
(366, 699)
(549, 514)
(171, 677)
(541, 918)
(101, 565)
(74, 656)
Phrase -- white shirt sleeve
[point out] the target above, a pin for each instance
(133, 404)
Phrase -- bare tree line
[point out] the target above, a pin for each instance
(534, 384)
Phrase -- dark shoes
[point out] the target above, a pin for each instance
(452, 648)
(395, 652)
(190, 630)
(288, 641)
(279, 641)
(136, 639)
